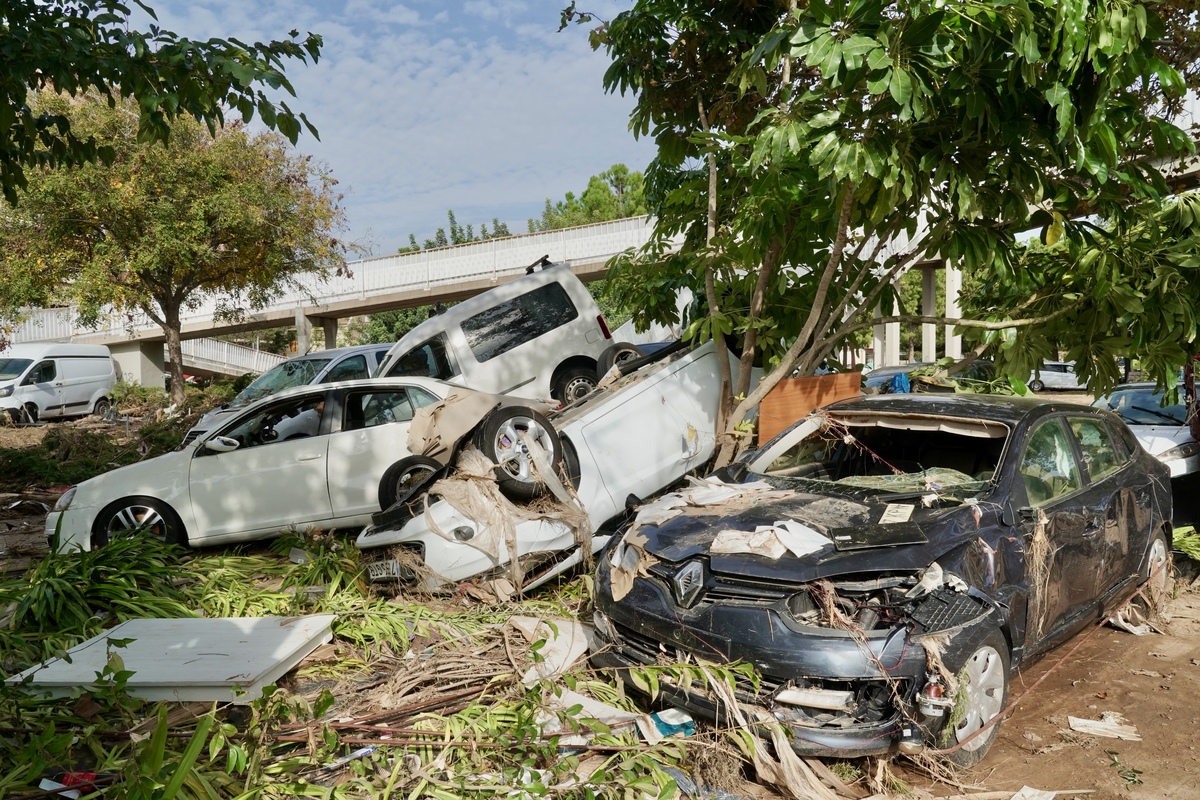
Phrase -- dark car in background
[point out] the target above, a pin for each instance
(887, 564)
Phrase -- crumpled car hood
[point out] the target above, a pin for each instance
(691, 535)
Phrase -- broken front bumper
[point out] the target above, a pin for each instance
(450, 547)
(838, 693)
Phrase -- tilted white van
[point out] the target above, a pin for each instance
(538, 336)
(43, 381)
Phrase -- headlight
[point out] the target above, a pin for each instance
(64, 501)
(6, 391)
(1185, 450)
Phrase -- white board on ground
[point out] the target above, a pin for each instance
(228, 660)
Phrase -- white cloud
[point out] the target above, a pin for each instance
(424, 107)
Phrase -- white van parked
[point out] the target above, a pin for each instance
(43, 381)
(539, 336)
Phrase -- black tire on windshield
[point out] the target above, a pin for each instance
(500, 438)
(404, 476)
(983, 675)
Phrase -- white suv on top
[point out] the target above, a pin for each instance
(539, 336)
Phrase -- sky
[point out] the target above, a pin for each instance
(480, 106)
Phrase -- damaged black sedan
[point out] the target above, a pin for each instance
(888, 563)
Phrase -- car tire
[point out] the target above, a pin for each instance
(1035, 385)
(572, 384)
(29, 413)
(983, 675)
(568, 468)
(615, 354)
(1156, 576)
(402, 477)
(499, 438)
(102, 407)
(132, 513)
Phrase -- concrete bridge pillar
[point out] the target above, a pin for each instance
(329, 326)
(140, 362)
(954, 279)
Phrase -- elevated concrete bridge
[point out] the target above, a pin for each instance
(374, 284)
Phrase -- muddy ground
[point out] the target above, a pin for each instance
(1152, 681)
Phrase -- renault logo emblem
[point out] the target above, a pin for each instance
(688, 582)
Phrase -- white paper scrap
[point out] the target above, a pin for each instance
(1111, 725)
(1029, 793)
(762, 542)
(896, 512)
(664, 508)
(771, 541)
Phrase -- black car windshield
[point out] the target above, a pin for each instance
(889, 453)
(1143, 406)
(297, 372)
(13, 367)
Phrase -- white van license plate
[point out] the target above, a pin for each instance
(384, 570)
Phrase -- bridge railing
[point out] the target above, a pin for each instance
(225, 357)
(423, 270)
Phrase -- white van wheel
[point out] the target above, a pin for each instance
(102, 406)
(29, 412)
(572, 384)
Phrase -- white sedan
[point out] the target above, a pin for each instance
(631, 440)
(315, 457)
(1161, 429)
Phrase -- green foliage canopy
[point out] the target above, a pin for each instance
(849, 138)
(76, 47)
(232, 219)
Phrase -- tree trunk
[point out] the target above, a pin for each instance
(710, 292)
(172, 328)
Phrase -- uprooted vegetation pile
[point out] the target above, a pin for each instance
(435, 697)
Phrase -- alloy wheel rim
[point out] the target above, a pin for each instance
(138, 517)
(511, 451)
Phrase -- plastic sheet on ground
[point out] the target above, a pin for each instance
(566, 643)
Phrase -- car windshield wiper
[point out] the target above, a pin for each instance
(1158, 413)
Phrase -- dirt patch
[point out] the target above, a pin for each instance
(13, 436)
(22, 531)
(1152, 681)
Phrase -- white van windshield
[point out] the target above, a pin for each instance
(429, 359)
(11, 368)
(298, 372)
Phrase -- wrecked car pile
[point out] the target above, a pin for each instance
(461, 527)
(866, 583)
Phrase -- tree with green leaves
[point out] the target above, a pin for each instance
(811, 152)
(74, 47)
(458, 234)
(615, 193)
(232, 219)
